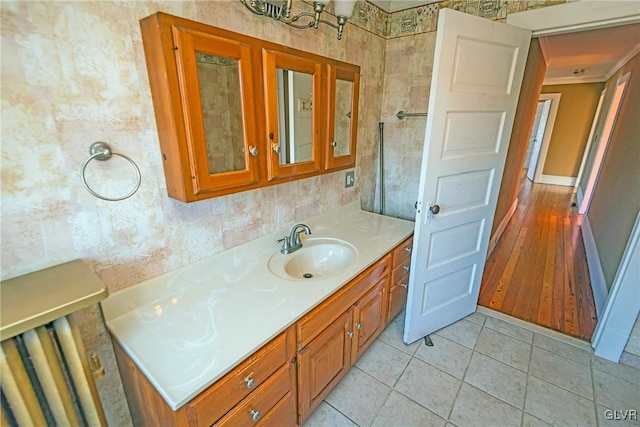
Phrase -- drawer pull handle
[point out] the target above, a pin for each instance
(250, 382)
(406, 267)
(255, 415)
(350, 334)
(404, 285)
(358, 325)
(409, 249)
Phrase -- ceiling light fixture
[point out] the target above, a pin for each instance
(577, 72)
(280, 10)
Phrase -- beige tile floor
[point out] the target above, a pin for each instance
(484, 370)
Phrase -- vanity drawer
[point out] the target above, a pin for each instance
(400, 270)
(402, 251)
(262, 407)
(322, 316)
(214, 402)
(397, 297)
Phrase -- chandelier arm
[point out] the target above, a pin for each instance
(331, 24)
(266, 9)
(281, 13)
(251, 8)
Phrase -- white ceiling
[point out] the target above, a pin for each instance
(599, 52)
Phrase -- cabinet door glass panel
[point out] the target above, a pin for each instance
(295, 116)
(219, 80)
(342, 136)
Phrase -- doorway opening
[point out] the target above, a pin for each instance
(538, 270)
(541, 132)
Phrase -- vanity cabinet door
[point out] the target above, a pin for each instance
(322, 363)
(369, 318)
(343, 86)
(294, 110)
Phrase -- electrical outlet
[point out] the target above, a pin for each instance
(349, 179)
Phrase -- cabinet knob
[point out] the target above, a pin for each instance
(350, 334)
(276, 148)
(255, 415)
(253, 150)
(250, 382)
(408, 249)
(358, 325)
(404, 285)
(334, 144)
(406, 267)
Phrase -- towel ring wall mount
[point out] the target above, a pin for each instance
(102, 151)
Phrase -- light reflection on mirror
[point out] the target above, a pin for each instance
(219, 80)
(342, 134)
(295, 116)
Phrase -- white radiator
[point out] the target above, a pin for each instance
(46, 380)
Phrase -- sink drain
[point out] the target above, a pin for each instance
(307, 275)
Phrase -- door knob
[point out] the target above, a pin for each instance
(435, 209)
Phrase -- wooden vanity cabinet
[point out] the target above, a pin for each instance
(333, 335)
(284, 381)
(260, 390)
(399, 283)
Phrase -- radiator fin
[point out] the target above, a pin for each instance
(46, 380)
(22, 400)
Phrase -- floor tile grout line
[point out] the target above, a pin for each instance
(464, 374)
(511, 336)
(526, 385)
(563, 388)
(340, 412)
(409, 398)
(593, 386)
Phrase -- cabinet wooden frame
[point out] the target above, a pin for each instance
(351, 74)
(170, 44)
(272, 60)
(187, 43)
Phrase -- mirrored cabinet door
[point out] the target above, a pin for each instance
(342, 121)
(217, 91)
(293, 88)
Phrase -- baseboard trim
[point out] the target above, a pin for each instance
(567, 181)
(503, 224)
(598, 283)
(579, 196)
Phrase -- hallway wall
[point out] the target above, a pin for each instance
(571, 128)
(616, 198)
(523, 121)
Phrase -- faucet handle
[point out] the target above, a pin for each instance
(285, 245)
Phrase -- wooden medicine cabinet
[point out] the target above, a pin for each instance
(235, 113)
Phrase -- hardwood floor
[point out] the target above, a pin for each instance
(538, 270)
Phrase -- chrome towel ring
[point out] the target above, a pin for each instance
(101, 151)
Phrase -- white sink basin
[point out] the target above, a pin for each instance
(318, 258)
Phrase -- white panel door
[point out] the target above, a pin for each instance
(478, 68)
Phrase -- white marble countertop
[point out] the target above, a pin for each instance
(187, 328)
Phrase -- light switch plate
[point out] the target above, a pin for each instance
(349, 179)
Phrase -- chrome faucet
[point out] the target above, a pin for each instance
(292, 242)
